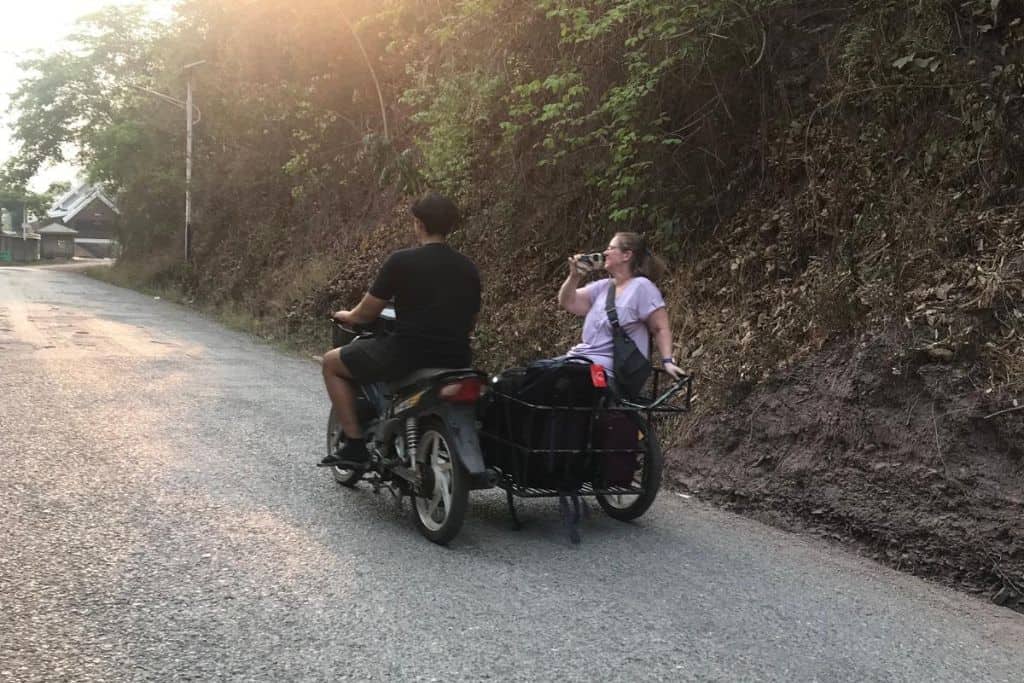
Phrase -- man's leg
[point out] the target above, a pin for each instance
(342, 390)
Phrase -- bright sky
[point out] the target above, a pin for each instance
(42, 25)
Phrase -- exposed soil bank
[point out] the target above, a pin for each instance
(900, 458)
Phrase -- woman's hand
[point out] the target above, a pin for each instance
(343, 317)
(674, 370)
(568, 296)
(574, 267)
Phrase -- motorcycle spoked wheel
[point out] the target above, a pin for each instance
(344, 476)
(440, 512)
(648, 475)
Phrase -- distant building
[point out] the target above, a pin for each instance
(17, 243)
(19, 247)
(57, 241)
(93, 216)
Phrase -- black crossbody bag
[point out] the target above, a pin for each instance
(632, 368)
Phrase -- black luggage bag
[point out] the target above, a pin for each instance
(545, 432)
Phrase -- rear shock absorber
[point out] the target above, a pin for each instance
(411, 438)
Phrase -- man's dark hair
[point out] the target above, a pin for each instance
(437, 213)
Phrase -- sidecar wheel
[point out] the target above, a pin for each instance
(440, 513)
(343, 476)
(628, 507)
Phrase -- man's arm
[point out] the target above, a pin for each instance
(374, 301)
(366, 311)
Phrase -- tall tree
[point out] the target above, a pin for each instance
(68, 98)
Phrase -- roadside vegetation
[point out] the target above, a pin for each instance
(837, 187)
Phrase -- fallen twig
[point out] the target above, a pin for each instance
(938, 444)
(910, 412)
(1003, 412)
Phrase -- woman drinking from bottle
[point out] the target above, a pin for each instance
(633, 271)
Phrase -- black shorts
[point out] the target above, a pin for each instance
(378, 359)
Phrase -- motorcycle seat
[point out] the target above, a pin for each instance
(421, 376)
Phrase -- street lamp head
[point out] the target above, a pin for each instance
(193, 65)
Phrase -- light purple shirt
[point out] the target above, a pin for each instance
(634, 305)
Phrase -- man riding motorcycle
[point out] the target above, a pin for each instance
(436, 292)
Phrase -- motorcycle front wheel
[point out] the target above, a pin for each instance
(342, 475)
(650, 464)
(441, 509)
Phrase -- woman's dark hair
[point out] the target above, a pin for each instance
(437, 213)
(643, 262)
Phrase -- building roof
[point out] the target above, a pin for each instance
(71, 204)
(68, 199)
(20, 236)
(57, 229)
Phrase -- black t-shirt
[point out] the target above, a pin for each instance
(437, 294)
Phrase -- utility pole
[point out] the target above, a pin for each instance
(188, 170)
(188, 159)
(189, 122)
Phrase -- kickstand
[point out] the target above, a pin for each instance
(516, 524)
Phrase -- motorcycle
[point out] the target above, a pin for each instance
(548, 430)
(422, 438)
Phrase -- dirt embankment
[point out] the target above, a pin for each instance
(900, 458)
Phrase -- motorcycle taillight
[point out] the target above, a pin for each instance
(467, 390)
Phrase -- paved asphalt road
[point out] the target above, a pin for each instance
(162, 520)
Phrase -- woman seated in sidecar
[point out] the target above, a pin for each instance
(550, 430)
(633, 270)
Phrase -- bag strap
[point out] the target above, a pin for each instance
(609, 305)
(617, 332)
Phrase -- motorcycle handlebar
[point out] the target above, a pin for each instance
(386, 316)
(679, 385)
(349, 329)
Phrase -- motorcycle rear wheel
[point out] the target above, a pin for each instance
(439, 515)
(344, 476)
(629, 507)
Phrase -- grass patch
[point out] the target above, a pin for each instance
(141, 278)
(305, 338)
